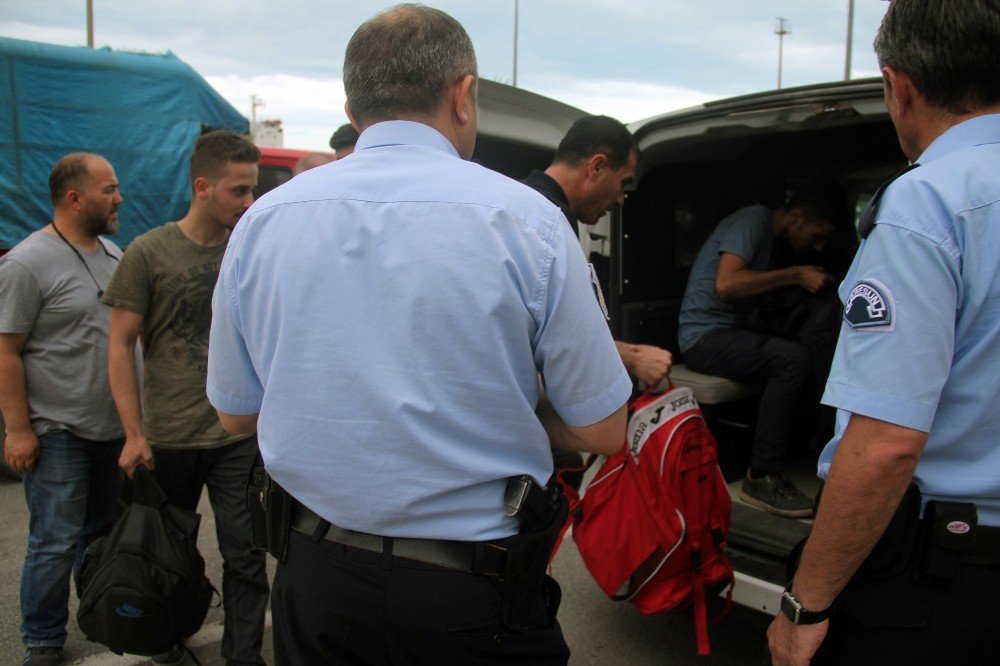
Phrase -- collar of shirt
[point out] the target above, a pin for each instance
(549, 188)
(972, 132)
(408, 132)
(541, 181)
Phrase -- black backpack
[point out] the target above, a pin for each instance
(142, 588)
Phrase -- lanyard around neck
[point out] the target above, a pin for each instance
(100, 290)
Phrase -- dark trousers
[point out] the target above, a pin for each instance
(783, 367)
(896, 621)
(225, 471)
(333, 604)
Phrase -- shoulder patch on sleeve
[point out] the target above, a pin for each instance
(598, 292)
(870, 306)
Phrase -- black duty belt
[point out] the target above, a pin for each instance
(477, 557)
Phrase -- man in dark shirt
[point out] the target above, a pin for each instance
(593, 164)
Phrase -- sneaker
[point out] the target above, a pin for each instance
(776, 494)
(178, 655)
(43, 656)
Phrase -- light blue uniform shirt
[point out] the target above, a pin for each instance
(747, 234)
(920, 346)
(387, 315)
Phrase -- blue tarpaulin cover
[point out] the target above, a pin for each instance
(141, 111)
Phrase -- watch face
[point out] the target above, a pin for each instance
(793, 610)
(790, 606)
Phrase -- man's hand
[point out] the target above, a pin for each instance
(21, 449)
(813, 278)
(792, 644)
(646, 363)
(135, 452)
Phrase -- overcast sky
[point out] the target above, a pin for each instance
(627, 58)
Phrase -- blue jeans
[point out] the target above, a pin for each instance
(225, 471)
(72, 497)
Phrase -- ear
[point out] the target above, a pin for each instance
(597, 164)
(73, 199)
(899, 91)
(463, 100)
(200, 185)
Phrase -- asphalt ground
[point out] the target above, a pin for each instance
(599, 631)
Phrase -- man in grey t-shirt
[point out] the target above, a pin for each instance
(62, 430)
(732, 268)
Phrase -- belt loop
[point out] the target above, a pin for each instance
(387, 553)
(322, 526)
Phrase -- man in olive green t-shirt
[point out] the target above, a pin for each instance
(162, 290)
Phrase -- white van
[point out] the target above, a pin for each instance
(697, 166)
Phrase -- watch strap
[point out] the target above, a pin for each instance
(793, 610)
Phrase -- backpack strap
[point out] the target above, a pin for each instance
(572, 497)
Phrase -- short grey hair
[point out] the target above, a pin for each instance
(402, 62)
(947, 48)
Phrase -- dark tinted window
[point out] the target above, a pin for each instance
(269, 177)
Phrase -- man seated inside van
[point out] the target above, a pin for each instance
(732, 271)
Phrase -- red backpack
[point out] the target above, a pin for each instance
(652, 524)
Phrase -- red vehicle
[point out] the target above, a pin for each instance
(276, 166)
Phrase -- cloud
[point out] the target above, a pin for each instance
(625, 100)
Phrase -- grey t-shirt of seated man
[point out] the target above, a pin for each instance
(747, 234)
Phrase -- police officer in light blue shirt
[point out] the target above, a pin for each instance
(384, 322)
(917, 375)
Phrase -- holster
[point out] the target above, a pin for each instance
(270, 512)
(542, 514)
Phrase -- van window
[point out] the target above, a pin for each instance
(269, 176)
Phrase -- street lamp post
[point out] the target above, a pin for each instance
(516, 7)
(90, 23)
(850, 39)
(781, 32)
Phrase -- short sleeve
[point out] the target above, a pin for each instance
(584, 376)
(233, 385)
(20, 297)
(131, 284)
(897, 341)
(743, 237)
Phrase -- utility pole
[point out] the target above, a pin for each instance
(516, 7)
(781, 32)
(90, 23)
(850, 39)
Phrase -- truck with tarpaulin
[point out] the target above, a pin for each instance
(141, 111)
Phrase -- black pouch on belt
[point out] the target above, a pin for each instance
(893, 550)
(949, 529)
(270, 512)
(542, 514)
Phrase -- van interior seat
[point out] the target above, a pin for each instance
(709, 389)
(655, 323)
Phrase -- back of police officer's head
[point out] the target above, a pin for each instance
(592, 135)
(402, 62)
(948, 48)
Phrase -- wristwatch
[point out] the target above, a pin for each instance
(793, 610)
